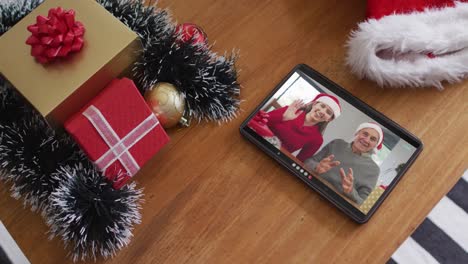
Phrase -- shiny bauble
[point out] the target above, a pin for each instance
(166, 103)
(191, 33)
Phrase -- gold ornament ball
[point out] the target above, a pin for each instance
(166, 103)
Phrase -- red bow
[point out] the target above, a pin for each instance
(56, 35)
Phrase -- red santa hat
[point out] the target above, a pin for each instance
(376, 128)
(331, 101)
(411, 42)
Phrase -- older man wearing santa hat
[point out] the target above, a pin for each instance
(349, 166)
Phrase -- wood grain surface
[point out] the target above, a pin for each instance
(212, 197)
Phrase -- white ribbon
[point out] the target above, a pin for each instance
(118, 148)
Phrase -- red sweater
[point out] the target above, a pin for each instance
(294, 135)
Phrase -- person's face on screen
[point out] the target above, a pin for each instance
(320, 112)
(366, 139)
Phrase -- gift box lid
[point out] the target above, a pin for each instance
(109, 49)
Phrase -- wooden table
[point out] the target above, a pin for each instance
(212, 197)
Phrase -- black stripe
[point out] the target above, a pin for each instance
(459, 194)
(391, 261)
(3, 257)
(439, 244)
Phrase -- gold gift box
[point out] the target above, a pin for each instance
(61, 88)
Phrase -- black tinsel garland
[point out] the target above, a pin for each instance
(30, 153)
(148, 21)
(13, 11)
(89, 214)
(208, 82)
(50, 173)
(12, 106)
(30, 150)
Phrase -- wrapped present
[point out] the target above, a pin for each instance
(118, 131)
(91, 48)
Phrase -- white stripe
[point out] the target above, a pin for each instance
(103, 161)
(151, 117)
(128, 162)
(465, 176)
(112, 140)
(410, 252)
(452, 219)
(11, 249)
(119, 143)
(91, 113)
(101, 118)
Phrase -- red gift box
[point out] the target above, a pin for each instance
(118, 131)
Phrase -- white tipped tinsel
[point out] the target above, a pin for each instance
(90, 215)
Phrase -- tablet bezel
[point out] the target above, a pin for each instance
(314, 183)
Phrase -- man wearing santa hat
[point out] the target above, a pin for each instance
(349, 166)
(415, 43)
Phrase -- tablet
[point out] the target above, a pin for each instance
(335, 143)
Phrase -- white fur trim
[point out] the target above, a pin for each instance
(442, 32)
(331, 103)
(375, 127)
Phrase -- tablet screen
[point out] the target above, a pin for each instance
(334, 139)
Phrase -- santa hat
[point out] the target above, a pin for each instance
(376, 128)
(331, 101)
(411, 42)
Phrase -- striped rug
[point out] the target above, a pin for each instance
(10, 253)
(443, 236)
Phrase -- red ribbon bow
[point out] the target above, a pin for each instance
(56, 35)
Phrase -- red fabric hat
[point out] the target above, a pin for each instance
(411, 42)
(376, 128)
(331, 101)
